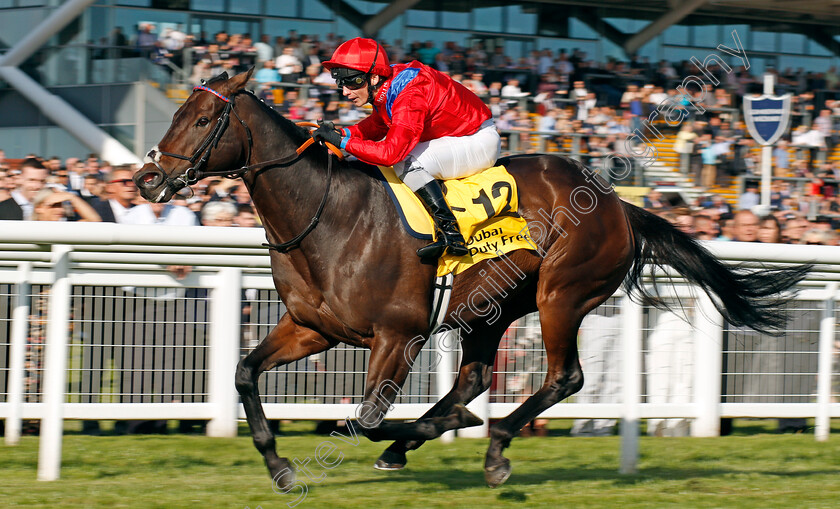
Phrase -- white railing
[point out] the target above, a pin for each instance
(145, 345)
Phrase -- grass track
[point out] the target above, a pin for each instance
(760, 470)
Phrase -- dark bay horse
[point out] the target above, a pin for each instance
(355, 278)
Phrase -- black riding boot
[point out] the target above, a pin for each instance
(449, 238)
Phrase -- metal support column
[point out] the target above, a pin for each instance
(52, 106)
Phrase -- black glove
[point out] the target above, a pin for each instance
(326, 132)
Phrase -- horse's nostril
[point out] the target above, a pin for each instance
(148, 178)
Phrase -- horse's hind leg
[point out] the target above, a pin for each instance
(286, 343)
(560, 323)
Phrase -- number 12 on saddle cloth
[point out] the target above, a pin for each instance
(485, 205)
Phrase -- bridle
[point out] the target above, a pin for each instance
(197, 172)
(200, 157)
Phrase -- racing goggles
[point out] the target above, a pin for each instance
(350, 78)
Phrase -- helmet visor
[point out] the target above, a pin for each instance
(349, 78)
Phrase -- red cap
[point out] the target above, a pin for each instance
(365, 55)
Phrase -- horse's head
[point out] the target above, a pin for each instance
(199, 139)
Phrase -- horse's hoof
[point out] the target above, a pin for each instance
(390, 460)
(283, 478)
(467, 418)
(498, 474)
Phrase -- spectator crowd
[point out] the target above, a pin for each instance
(88, 189)
(92, 190)
(562, 99)
(712, 218)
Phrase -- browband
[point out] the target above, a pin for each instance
(208, 89)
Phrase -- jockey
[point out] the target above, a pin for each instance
(424, 123)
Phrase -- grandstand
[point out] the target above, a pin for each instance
(119, 68)
(105, 76)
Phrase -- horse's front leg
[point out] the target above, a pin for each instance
(388, 368)
(286, 343)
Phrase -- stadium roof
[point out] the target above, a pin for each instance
(817, 19)
(819, 12)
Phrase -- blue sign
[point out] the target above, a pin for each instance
(767, 117)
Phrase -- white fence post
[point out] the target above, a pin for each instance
(480, 406)
(631, 375)
(20, 324)
(225, 326)
(708, 367)
(443, 371)
(55, 367)
(823, 420)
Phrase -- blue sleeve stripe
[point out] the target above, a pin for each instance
(346, 137)
(397, 85)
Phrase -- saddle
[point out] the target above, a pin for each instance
(485, 205)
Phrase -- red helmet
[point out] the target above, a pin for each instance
(365, 55)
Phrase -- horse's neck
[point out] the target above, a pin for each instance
(283, 208)
(336, 258)
(287, 197)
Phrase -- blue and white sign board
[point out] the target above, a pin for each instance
(767, 117)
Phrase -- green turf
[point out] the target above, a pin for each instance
(756, 468)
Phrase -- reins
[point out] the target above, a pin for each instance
(285, 247)
(196, 172)
(282, 161)
(295, 242)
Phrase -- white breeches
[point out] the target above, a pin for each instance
(450, 157)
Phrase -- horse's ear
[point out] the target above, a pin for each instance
(238, 82)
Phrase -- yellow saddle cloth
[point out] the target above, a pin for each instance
(485, 205)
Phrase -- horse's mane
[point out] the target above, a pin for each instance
(298, 134)
(219, 77)
(293, 130)
(302, 134)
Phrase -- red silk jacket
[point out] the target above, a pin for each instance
(417, 103)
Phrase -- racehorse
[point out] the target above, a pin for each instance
(349, 274)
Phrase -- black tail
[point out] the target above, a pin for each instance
(751, 298)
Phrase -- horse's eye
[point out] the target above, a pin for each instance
(203, 121)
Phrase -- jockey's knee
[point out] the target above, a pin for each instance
(414, 175)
